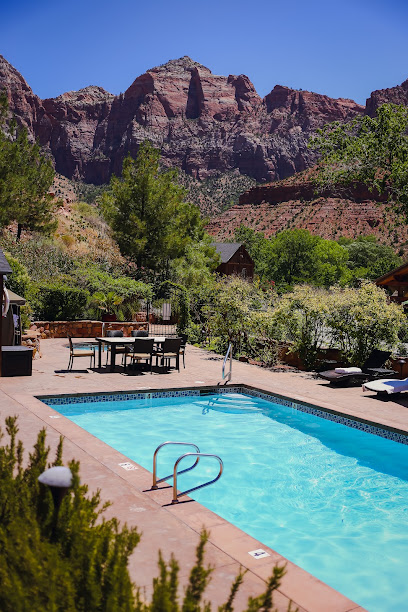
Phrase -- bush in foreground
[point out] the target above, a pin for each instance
(79, 563)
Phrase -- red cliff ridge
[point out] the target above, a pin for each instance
(203, 123)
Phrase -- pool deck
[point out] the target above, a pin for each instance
(175, 529)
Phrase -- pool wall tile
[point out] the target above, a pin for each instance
(395, 436)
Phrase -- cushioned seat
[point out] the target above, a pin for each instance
(386, 385)
(141, 350)
(80, 352)
(170, 349)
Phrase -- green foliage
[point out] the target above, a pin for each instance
(234, 315)
(76, 560)
(356, 320)
(215, 194)
(58, 302)
(107, 302)
(43, 259)
(26, 176)
(302, 318)
(198, 262)
(95, 280)
(362, 319)
(376, 259)
(88, 192)
(77, 564)
(47, 264)
(150, 219)
(19, 280)
(372, 151)
(295, 256)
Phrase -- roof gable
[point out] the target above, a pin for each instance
(4, 265)
(394, 276)
(226, 250)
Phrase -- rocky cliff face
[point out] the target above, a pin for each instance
(395, 95)
(292, 203)
(203, 123)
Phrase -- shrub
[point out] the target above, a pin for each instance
(75, 564)
(302, 318)
(362, 319)
(19, 280)
(57, 302)
(75, 560)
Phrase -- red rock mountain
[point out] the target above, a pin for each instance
(203, 123)
(293, 203)
(395, 95)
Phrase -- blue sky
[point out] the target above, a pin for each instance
(345, 49)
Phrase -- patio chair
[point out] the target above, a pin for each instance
(170, 349)
(184, 339)
(78, 352)
(115, 333)
(141, 350)
(139, 333)
(372, 368)
(386, 385)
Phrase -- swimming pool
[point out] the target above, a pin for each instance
(332, 499)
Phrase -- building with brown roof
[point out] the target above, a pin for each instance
(235, 259)
(396, 281)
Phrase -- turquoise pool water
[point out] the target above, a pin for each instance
(332, 499)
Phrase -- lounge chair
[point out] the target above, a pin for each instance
(372, 368)
(386, 385)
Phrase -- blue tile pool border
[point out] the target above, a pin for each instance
(331, 415)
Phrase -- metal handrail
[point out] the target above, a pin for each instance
(229, 353)
(205, 484)
(155, 481)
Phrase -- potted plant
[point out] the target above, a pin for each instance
(108, 303)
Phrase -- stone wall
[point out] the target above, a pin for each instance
(83, 329)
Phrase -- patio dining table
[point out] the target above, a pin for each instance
(114, 342)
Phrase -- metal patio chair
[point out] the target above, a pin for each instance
(78, 352)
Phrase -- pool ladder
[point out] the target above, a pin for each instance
(228, 375)
(175, 473)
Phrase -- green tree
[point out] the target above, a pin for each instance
(150, 219)
(368, 150)
(377, 259)
(293, 256)
(198, 262)
(259, 249)
(19, 281)
(26, 176)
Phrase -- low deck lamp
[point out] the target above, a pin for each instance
(59, 480)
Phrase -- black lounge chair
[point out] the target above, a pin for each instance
(371, 369)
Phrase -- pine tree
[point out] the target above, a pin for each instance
(26, 176)
(151, 221)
